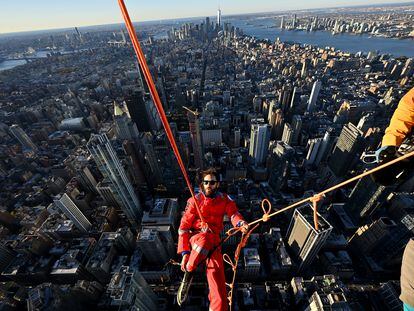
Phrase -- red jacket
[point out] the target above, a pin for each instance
(213, 210)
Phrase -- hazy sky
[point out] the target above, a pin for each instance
(24, 15)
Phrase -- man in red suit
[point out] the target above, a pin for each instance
(195, 245)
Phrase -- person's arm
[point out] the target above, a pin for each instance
(401, 122)
(407, 274)
(187, 220)
(236, 218)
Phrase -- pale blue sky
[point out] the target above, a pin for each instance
(24, 15)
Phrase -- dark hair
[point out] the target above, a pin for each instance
(209, 171)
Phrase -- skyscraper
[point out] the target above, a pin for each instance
(390, 250)
(326, 145)
(349, 143)
(305, 64)
(111, 168)
(136, 167)
(318, 148)
(163, 217)
(128, 289)
(138, 111)
(124, 126)
(364, 198)
(152, 115)
(236, 137)
(287, 136)
(314, 96)
(296, 127)
(150, 243)
(6, 256)
(22, 137)
(208, 25)
(152, 164)
(87, 179)
(251, 262)
(313, 150)
(369, 237)
(281, 156)
(69, 208)
(106, 191)
(304, 240)
(196, 142)
(219, 17)
(259, 142)
(282, 23)
(79, 165)
(276, 121)
(285, 98)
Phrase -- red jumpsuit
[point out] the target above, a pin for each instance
(198, 244)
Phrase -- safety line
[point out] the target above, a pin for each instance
(267, 215)
(157, 101)
(322, 193)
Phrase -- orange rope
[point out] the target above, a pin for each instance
(337, 186)
(242, 243)
(315, 199)
(233, 264)
(157, 101)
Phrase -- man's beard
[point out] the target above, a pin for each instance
(211, 194)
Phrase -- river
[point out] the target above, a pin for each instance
(9, 64)
(264, 28)
(267, 28)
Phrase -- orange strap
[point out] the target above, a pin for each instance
(315, 199)
(157, 101)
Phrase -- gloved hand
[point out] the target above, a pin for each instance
(387, 176)
(244, 227)
(386, 154)
(184, 262)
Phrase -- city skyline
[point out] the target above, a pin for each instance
(287, 112)
(50, 15)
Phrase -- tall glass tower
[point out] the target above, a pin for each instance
(111, 168)
(259, 142)
(22, 137)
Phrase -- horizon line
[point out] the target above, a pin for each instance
(196, 17)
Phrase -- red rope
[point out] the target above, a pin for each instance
(157, 101)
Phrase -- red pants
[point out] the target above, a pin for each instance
(201, 244)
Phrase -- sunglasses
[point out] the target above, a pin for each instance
(211, 182)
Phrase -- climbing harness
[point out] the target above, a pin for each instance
(267, 214)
